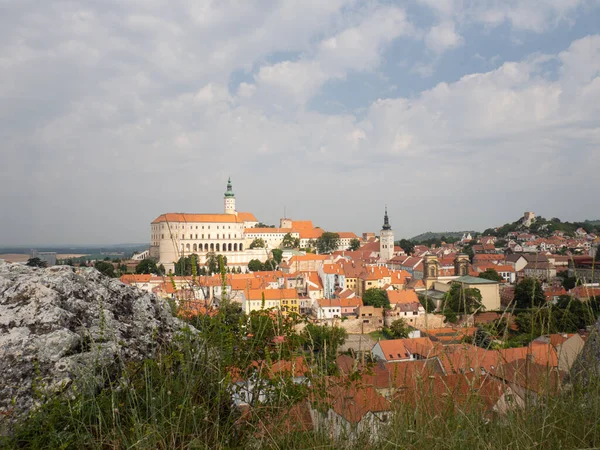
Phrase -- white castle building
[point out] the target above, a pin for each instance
(230, 234)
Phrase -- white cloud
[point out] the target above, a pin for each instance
(443, 37)
(141, 101)
(356, 48)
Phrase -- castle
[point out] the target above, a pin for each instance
(230, 233)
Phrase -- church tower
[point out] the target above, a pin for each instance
(229, 199)
(386, 240)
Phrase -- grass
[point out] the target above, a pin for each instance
(181, 399)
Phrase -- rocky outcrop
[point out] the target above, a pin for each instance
(59, 326)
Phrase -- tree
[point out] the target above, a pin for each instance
(263, 225)
(290, 241)
(269, 264)
(258, 243)
(328, 242)
(407, 246)
(529, 293)
(255, 265)
(427, 303)
(572, 314)
(354, 244)
(277, 255)
(324, 338)
(461, 300)
(36, 262)
(212, 262)
(376, 297)
(490, 274)
(398, 329)
(105, 268)
(146, 266)
(570, 282)
(161, 270)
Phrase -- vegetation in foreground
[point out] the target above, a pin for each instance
(182, 399)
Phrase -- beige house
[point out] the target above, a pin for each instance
(490, 290)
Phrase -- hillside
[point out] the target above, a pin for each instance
(431, 235)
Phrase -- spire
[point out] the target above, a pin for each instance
(229, 192)
(386, 221)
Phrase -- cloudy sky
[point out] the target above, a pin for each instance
(457, 114)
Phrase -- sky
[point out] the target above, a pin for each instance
(456, 114)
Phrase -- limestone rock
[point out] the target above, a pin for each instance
(58, 325)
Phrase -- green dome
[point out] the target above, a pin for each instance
(229, 191)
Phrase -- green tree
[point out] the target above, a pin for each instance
(572, 314)
(461, 300)
(258, 243)
(212, 262)
(161, 270)
(490, 274)
(146, 266)
(570, 282)
(376, 297)
(290, 241)
(407, 246)
(105, 268)
(328, 242)
(529, 293)
(398, 329)
(426, 302)
(277, 255)
(255, 265)
(324, 338)
(354, 244)
(36, 262)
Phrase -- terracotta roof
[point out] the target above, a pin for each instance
(353, 401)
(271, 294)
(395, 349)
(539, 352)
(196, 218)
(534, 377)
(333, 269)
(302, 224)
(329, 302)
(404, 296)
(246, 217)
(132, 278)
(351, 302)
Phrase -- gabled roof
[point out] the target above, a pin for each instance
(396, 349)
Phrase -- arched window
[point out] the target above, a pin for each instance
(229, 247)
(218, 249)
(235, 247)
(241, 247)
(212, 247)
(205, 247)
(431, 271)
(195, 248)
(187, 247)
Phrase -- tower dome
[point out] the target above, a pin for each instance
(229, 199)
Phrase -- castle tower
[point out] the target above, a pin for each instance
(386, 241)
(229, 199)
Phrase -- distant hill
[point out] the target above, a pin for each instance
(430, 235)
